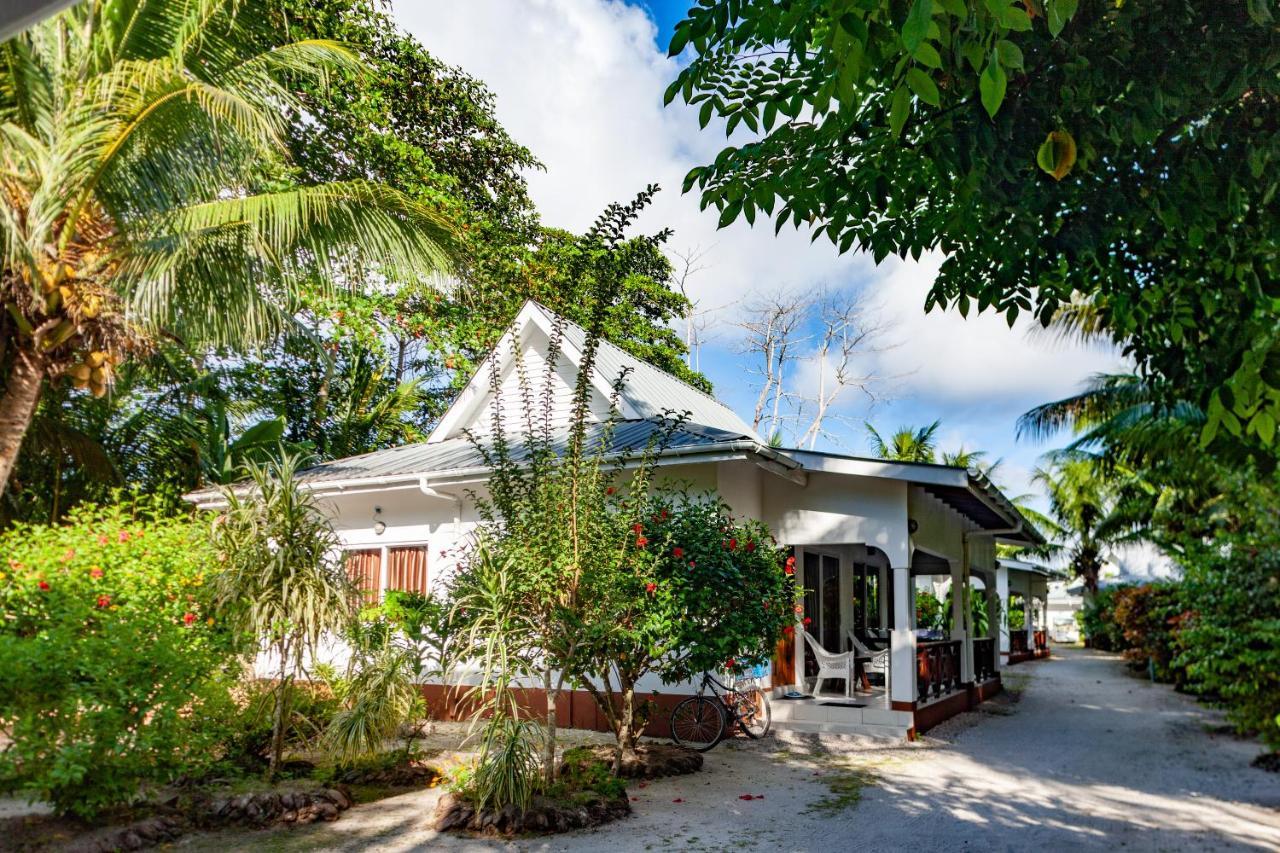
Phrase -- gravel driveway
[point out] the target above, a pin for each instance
(1090, 757)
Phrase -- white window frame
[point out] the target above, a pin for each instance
(384, 550)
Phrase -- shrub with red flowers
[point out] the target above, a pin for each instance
(108, 661)
(705, 588)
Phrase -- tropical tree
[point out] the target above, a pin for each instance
(1080, 503)
(906, 444)
(997, 132)
(142, 195)
(278, 579)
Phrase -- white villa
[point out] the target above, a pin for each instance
(866, 532)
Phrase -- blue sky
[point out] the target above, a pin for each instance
(580, 82)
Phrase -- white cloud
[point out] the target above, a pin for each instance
(953, 359)
(580, 82)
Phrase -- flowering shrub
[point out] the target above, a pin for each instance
(110, 659)
(694, 589)
(1150, 618)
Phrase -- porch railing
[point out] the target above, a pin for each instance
(1018, 642)
(937, 668)
(1042, 641)
(984, 658)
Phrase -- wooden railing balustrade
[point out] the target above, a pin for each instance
(937, 668)
(984, 658)
(1042, 641)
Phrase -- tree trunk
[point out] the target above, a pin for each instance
(18, 407)
(626, 729)
(281, 713)
(549, 754)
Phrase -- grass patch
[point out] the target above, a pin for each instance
(845, 791)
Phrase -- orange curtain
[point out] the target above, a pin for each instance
(407, 569)
(364, 567)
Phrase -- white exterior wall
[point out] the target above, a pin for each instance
(839, 509)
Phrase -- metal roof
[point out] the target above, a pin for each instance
(456, 455)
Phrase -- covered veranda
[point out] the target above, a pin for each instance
(859, 659)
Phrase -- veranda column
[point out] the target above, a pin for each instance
(1028, 619)
(960, 619)
(1002, 624)
(902, 641)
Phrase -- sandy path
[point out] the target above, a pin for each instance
(1090, 758)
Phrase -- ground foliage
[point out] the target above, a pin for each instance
(1122, 154)
(114, 664)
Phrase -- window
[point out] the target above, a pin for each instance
(365, 570)
(407, 568)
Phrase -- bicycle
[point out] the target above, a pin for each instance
(699, 722)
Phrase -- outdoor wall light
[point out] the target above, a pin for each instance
(379, 526)
(912, 525)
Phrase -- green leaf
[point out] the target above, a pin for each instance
(1015, 18)
(927, 54)
(680, 38)
(924, 87)
(916, 26)
(899, 111)
(1010, 54)
(730, 213)
(1058, 13)
(992, 86)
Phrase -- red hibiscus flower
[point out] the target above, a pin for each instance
(733, 544)
(123, 536)
(641, 542)
(651, 588)
(693, 563)
(44, 586)
(637, 528)
(730, 663)
(677, 552)
(807, 621)
(751, 546)
(104, 601)
(788, 629)
(790, 568)
(95, 572)
(664, 513)
(609, 490)
(188, 618)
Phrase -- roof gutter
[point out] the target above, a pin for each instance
(775, 462)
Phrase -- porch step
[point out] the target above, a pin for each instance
(853, 734)
(814, 717)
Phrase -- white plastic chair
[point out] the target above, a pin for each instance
(878, 661)
(831, 665)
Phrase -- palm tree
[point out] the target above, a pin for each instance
(136, 137)
(906, 444)
(1081, 501)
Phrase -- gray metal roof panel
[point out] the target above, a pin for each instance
(457, 454)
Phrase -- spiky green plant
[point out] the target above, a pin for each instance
(279, 580)
(142, 149)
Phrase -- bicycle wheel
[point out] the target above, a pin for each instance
(754, 717)
(697, 723)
